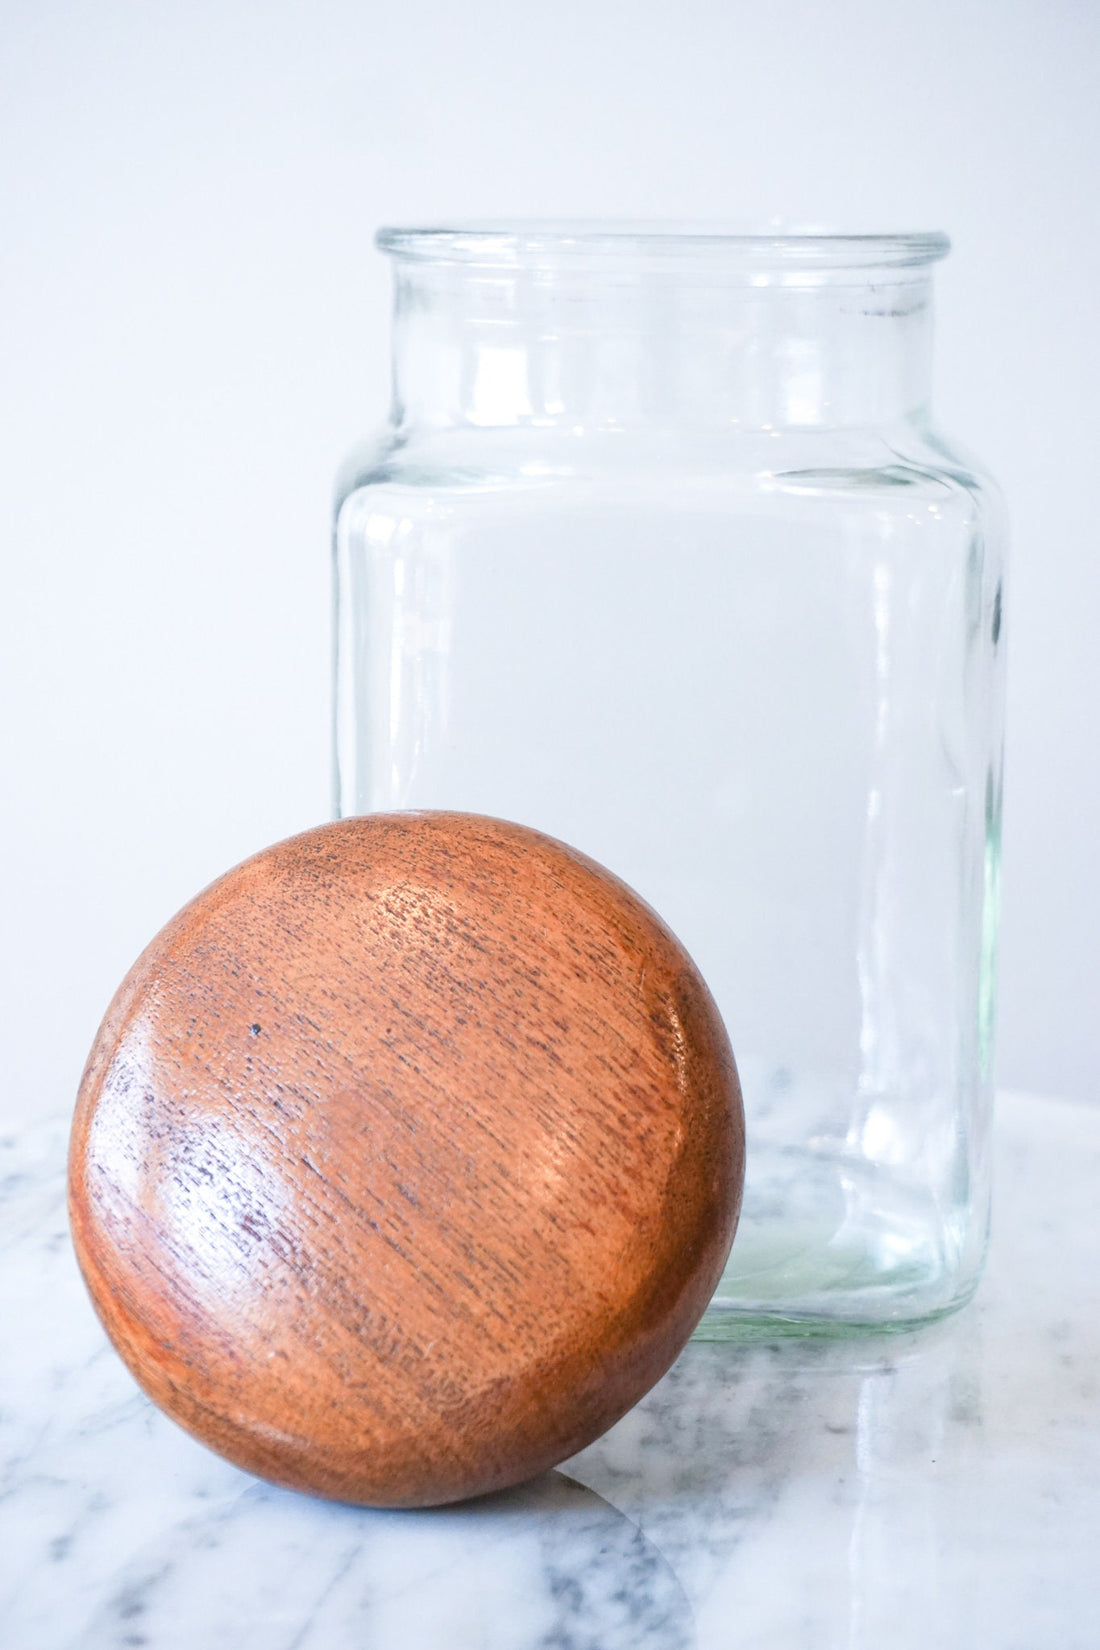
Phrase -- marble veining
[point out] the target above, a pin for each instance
(935, 1489)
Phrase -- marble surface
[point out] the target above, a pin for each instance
(936, 1489)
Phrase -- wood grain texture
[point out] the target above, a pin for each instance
(406, 1158)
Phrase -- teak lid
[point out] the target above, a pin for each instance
(407, 1158)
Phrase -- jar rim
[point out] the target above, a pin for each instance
(517, 242)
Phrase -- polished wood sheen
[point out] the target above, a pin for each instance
(406, 1158)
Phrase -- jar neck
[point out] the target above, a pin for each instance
(611, 348)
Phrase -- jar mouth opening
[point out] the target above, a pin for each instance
(513, 244)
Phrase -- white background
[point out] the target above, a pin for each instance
(193, 326)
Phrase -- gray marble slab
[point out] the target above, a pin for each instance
(935, 1489)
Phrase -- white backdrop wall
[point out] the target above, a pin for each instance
(193, 326)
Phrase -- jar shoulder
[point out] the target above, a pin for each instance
(721, 470)
(926, 446)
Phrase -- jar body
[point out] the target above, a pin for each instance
(756, 673)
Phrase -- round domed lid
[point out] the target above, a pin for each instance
(406, 1158)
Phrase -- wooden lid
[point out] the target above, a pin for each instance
(406, 1158)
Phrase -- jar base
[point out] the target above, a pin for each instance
(750, 1324)
(828, 1245)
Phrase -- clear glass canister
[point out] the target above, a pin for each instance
(661, 554)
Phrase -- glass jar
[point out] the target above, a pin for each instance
(661, 554)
